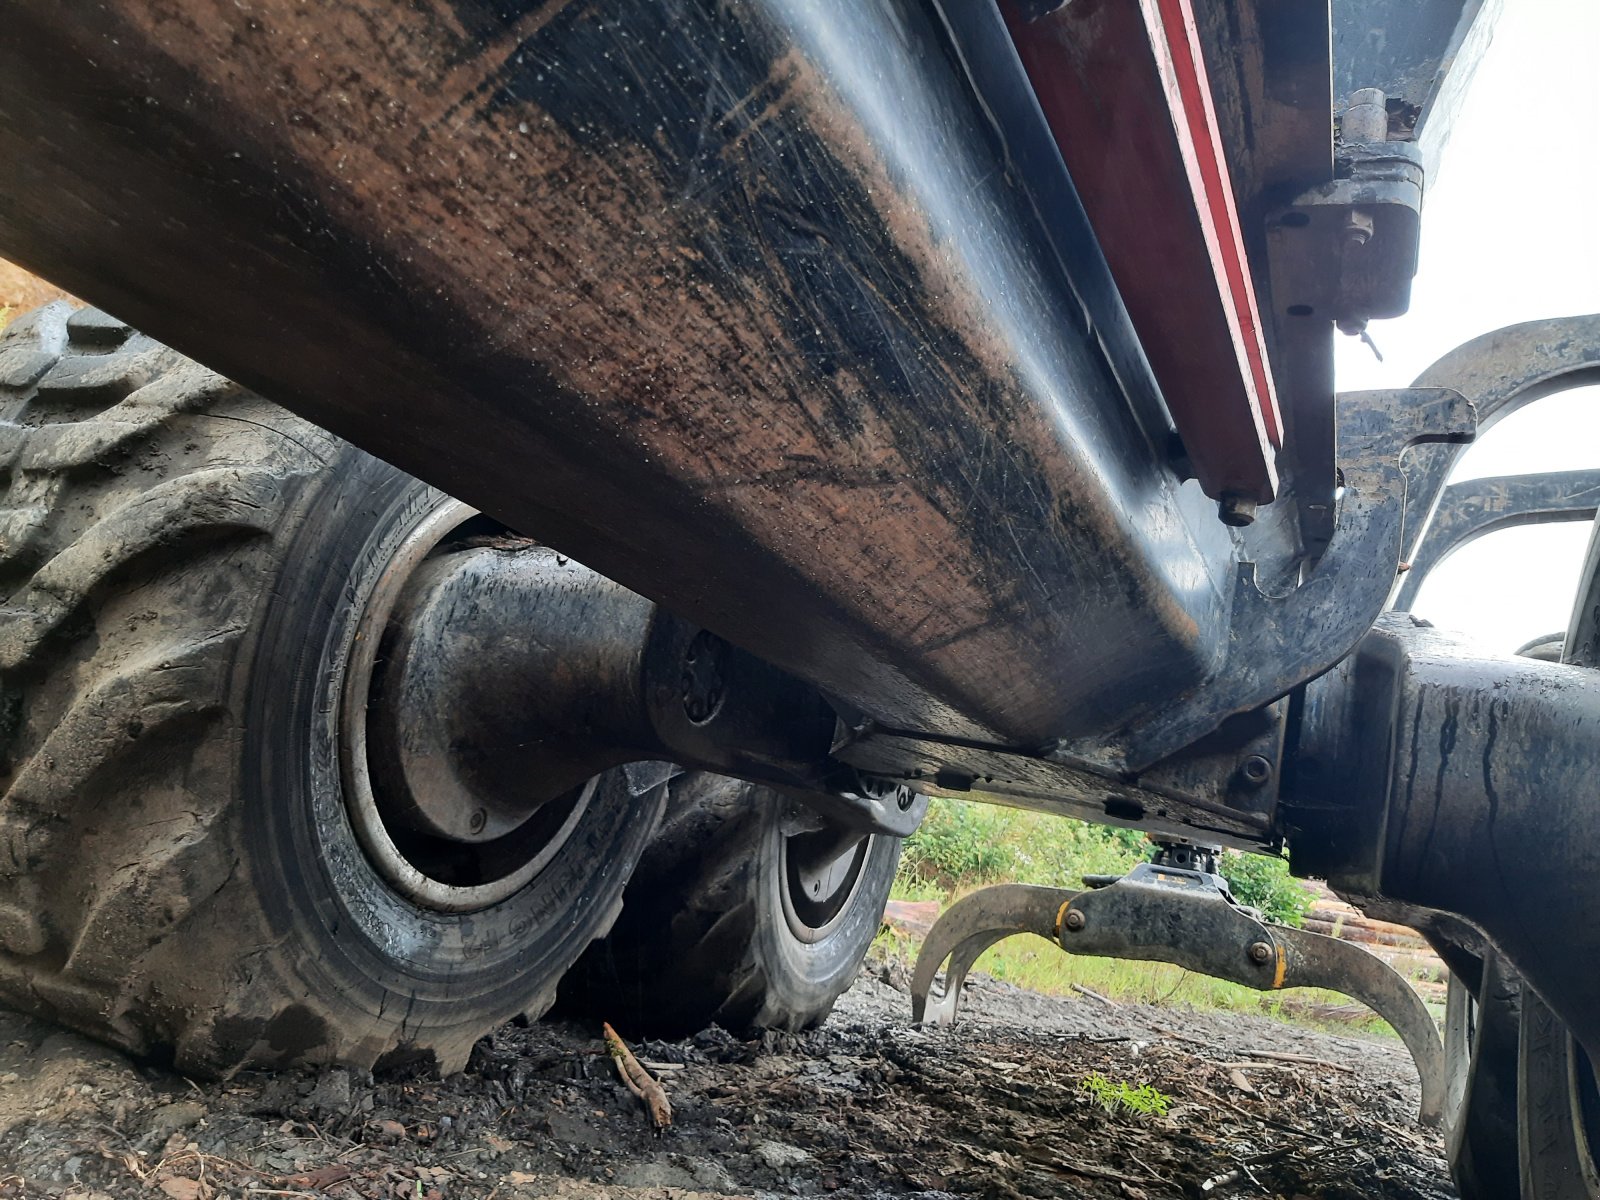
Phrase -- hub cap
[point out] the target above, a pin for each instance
(478, 867)
(821, 875)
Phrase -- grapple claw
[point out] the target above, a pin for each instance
(1161, 913)
(969, 927)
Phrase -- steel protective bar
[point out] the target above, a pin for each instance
(1499, 373)
(1125, 89)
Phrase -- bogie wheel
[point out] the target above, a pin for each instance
(743, 913)
(1481, 1060)
(1559, 1127)
(1524, 1117)
(1558, 1089)
(195, 859)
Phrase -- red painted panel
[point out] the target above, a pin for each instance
(1124, 87)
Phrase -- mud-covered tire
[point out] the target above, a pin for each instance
(709, 932)
(183, 566)
(1558, 1092)
(1481, 1064)
(1523, 1118)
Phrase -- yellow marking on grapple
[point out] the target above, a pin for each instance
(1283, 969)
(1061, 914)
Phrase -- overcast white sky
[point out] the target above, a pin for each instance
(1510, 232)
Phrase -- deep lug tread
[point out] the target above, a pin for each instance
(152, 517)
(702, 939)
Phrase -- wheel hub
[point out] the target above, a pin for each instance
(821, 874)
(432, 805)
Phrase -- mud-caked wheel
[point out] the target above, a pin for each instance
(197, 857)
(1525, 1114)
(746, 912)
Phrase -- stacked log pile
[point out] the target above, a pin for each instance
(1398, 945)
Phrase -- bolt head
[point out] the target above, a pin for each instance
(1075, 920)
(1236, 510)
(1260, 952)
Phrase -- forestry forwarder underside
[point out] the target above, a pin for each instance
(834, 331)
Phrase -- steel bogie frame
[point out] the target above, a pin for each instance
(850, 306)
(742, 297)
(787, 316)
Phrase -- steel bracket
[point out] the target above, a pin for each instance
(1181, 916)
(1348, 248)
(1278, 641)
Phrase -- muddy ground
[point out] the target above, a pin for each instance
(867, 1106)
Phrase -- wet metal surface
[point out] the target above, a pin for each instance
(739, 304)
(1436, 775)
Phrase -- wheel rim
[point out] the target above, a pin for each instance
(432, 872)
(821, 877)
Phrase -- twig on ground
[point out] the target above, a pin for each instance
(1094, 995)
(1236, 1077)
(1305, 1059)
(638, 1080)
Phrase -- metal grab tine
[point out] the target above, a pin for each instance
(1316, 960)
(969, 927)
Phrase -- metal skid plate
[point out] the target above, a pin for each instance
(1167, 914)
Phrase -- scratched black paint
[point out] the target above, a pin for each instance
(788, 202)
(993, 404)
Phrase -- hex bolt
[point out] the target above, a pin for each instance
(1358, 228)
(1074, 921)
(1255, 770)
(1260, 952)
(1236, 509)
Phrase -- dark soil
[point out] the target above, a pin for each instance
(866, 1106)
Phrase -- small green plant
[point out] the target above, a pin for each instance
(960, 844)
(1263, 881)
(963, 844)
(1117, 1097)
